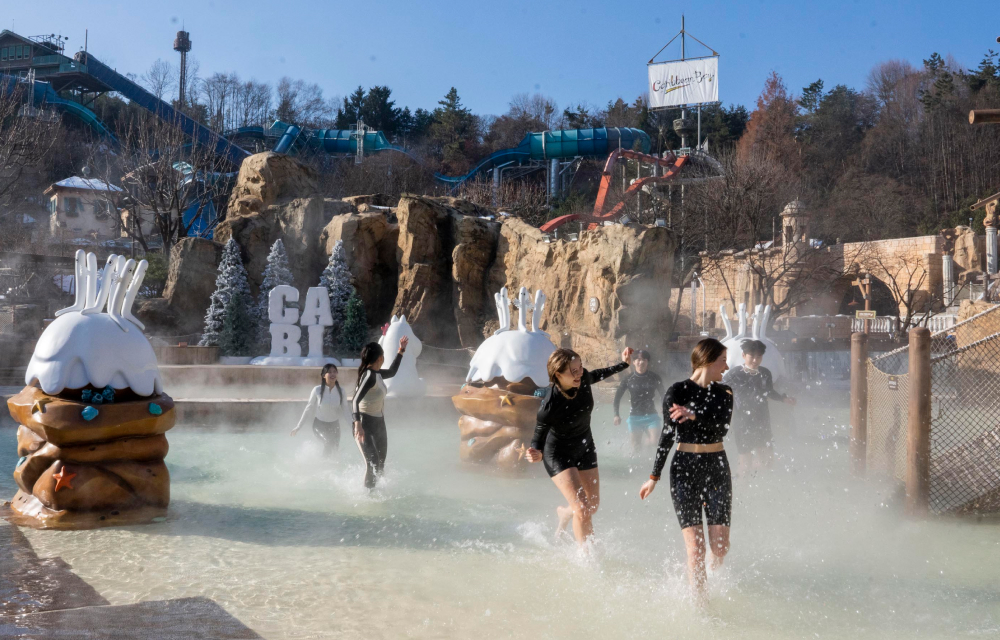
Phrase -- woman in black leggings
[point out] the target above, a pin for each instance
(367, 407)
(696, 415)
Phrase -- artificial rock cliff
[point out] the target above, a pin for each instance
(438, 261)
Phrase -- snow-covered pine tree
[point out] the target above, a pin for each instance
(337, 280)
(354, 335)
(232, 280)
(238, 336)
(276, 272)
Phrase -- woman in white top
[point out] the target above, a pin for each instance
(325, 409)
(369, 400)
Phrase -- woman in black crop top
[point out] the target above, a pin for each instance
(696, 415)
(564, 441)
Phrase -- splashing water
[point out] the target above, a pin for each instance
(294, 546)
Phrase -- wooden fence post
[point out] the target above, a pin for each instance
(918, 428)
(859, 402)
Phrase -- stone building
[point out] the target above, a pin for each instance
(802, 277)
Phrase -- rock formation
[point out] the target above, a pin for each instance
(275, 197)
(370, 249)
(438, 265)
(194, 264)
(92, 419)
(613, 284)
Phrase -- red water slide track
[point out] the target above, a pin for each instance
(671, 163)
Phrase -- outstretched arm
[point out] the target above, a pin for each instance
(600, 374)
(391, 371)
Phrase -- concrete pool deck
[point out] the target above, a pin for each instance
(44, 599)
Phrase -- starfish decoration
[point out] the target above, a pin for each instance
(522, 451)
(62, 479)
(39, 406)
(505, 399)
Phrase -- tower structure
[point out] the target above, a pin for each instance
(182, 43)
(794, 229)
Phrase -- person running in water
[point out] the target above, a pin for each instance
(644, 388)
(325, 410)
(696, 415)
(563, 439)
(367, 407)
(753, 386)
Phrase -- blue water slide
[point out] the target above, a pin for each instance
(41, 95)
(563, 143)
(164, 111)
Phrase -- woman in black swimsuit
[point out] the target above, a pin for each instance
(564, 441)
(696, 415)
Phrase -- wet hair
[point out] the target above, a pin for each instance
(329, 366)
(753, 347)
(706, 352)
(558, 362)
(641, 353)
(370, 354)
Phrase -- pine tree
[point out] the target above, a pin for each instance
(276, 272)
(355, 332)
(232, 280)
(237, 337)
(337, 280)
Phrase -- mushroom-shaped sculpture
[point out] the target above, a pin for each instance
(93, 415)
(500, 398)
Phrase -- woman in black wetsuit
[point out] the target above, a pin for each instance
(367, 407)
(564, 441)
(696, 415)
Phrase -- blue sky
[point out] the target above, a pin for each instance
(571, 51)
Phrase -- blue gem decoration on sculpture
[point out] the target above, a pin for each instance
(97, 398)
(155, 409)
(89, 413)
(20, 461)
(472, 441)
(108, 393)
(539, 393)
(86, 394)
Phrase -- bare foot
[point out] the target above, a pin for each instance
(565, 515)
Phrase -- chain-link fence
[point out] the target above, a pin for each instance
(965, 415)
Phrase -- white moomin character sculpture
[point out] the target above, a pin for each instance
(406, 383)
(758, 331)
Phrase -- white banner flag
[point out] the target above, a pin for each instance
(681, 82)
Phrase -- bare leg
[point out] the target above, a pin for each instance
(635, 437)
(565, 514)
(653, 436)
(694, 542)
(718, 538)
(570, 484)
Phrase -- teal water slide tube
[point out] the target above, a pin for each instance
(40, 94)
(563, 143)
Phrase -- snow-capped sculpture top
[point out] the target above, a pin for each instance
(514, 354)
(758, 331)
(406, 382)
(84, 345)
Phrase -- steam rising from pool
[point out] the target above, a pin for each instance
(295, 547)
